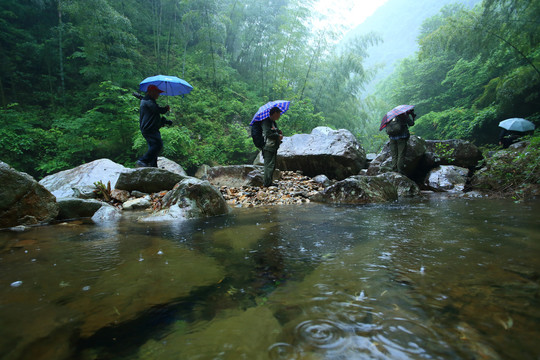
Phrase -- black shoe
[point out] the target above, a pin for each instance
(141, 164)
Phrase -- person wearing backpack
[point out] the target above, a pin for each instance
(398, 132)
(272, 139)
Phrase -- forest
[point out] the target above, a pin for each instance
(70, 67)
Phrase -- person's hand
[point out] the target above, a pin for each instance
(280, 137)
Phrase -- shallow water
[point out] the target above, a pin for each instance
(431, 278)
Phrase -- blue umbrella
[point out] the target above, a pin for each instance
(264, 111)
(170, 85)
(517, 124)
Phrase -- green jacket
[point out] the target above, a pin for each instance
(271, 135)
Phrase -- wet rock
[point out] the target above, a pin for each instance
(155, 275)
(169, 165)
(334, 153)
(359, 190)
(147, 180)
(455, 152)
(74, 208)
(202, 172)
(138, 194)
(235, 334)
(23, 201)
(138, 203)
(191, 198)
(416, 148)
(106, 213)
(323, 180)
(80, 180)
(447, 178)
(405, 186)
(120, 195)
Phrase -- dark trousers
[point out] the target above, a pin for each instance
(269, 166)
(155, 145)
(398, 149)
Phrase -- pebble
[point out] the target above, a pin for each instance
(293, 188)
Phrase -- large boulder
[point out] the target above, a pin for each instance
(23, 201)
(80, 180)
(448, 178)
(191, 198)
(358, 190)
(334, 153)
(148, 180)
(166, 164)
(416, 148)
(456, 152)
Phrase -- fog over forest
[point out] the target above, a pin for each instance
(70, 68)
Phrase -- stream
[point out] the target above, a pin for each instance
(425, 278)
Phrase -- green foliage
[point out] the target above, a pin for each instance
(474, 69)
(103, 191)
(70, 63)
(515, 174)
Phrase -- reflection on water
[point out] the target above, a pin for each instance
(431, 278)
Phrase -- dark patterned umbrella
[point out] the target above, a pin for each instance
(398, 110)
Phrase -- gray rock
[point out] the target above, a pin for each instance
(370, 157)
(148, 179)
(138, 194)
(323, 180)
(23, 201)
(193, 198)
(334, 153)
(120, 195)
(405, 186)
(74, 208)
(166, 164)
(460, 153)
(358, 190)
(82, 177)
(106, 213)
(416, 148)
(202, 172)
(137, 204)
(447, 178)
(259, 160)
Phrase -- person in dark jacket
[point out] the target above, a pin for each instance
(398, 143)
(150, 121)
(507, 138)
(272, 136)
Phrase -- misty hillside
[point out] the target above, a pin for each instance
(398, 22)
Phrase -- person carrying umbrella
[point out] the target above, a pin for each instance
(513, 129)
(272, 136)
(397, 122)
(150, 121)
(266, 118)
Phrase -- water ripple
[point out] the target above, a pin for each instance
(321, 334)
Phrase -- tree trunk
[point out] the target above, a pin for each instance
(60, 54)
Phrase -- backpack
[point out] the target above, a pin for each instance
(395, 127)
(257, 134)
